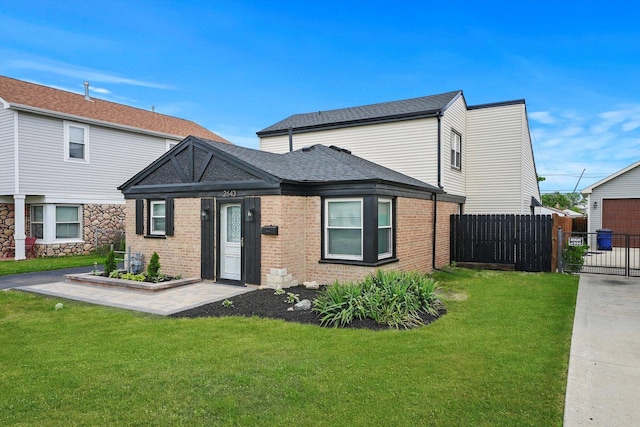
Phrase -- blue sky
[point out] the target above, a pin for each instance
(237, 67)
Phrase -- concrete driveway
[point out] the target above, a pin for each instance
(603, 387)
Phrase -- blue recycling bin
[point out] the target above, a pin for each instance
(604, 239)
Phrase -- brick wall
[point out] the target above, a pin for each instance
(443, 232)
(297, 247)
(179, 254)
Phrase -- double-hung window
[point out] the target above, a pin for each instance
(68, 222)
(157, 217)
(76, 142)
(344, 229)
(358, 229)
(37, 221)
(456, 150)
(385, 229)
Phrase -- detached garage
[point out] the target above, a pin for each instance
(614, 202)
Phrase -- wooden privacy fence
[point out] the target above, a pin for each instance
(521, 242)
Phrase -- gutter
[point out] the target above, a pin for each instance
(49, 113)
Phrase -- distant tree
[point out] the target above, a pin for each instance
(541, 178)
(562, 201)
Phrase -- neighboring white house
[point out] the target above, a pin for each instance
(481, 156)
(64, 155)
(548, 210)
(614, 202)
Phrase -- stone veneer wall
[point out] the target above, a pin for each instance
(179, 254)
(7, 222)
(108, 219)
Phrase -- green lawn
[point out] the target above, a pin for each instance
(48, 263)
(499, 357)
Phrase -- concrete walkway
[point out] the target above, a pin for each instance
(162, 302)
(603, 387)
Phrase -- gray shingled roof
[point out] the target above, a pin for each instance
(318, 164)
(408, 108)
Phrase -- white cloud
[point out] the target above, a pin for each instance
(100, 90)
(542, 117)
(600, 143)
(71, 70)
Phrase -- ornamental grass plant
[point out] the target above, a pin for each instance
(392, 298)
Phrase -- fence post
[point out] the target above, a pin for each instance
(129, 259)
(627, 273)
(560, 245)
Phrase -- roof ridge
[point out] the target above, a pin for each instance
(21, 94)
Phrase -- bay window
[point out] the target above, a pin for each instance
(359, 230)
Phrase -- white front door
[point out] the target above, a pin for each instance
(231, 241)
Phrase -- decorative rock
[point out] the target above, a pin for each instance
(305, 304)
(290, 309)
(311, 285)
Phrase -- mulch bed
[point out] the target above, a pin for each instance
(264, 303)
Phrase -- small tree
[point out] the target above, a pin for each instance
(154, 266)
(110, 263)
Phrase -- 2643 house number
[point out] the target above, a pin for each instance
(229, 193)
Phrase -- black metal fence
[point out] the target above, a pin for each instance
(521, 241)
(600, 253)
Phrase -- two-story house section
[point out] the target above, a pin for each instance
(63, 155)
(481, 156)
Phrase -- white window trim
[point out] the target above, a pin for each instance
(171, 143)
(49, 224)
(390, 227)
(32, 222)
(456, 148)
(152, 230)
(328, 255)
(80, 231)
(68, 124)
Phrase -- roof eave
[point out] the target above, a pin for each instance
(57, 114)
(352, 123)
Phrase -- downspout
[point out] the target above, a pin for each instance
(439, 116)
(435, 225)
(435, 196)
(290, 139)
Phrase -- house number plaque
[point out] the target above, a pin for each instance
(229, 193)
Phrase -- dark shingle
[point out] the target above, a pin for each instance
(408, 108)
(318, 164)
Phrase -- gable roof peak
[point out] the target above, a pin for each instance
(36, 98)
(413, 108)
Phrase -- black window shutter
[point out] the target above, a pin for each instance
(169, 216)
(139, 216)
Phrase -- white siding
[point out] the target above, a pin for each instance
(7, 163)
(530, 187)
(494, 160)
(455, 118)
(409, 147)
(115, 156)
(625, 186)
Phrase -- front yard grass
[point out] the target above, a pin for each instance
(499, 357)
(48, 263)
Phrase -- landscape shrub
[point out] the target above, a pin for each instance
(110, 263)
(573, 258)
(393, 298)
(153, 269)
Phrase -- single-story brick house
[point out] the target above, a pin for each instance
(233, 214)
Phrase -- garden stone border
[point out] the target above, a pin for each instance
(91, 279)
